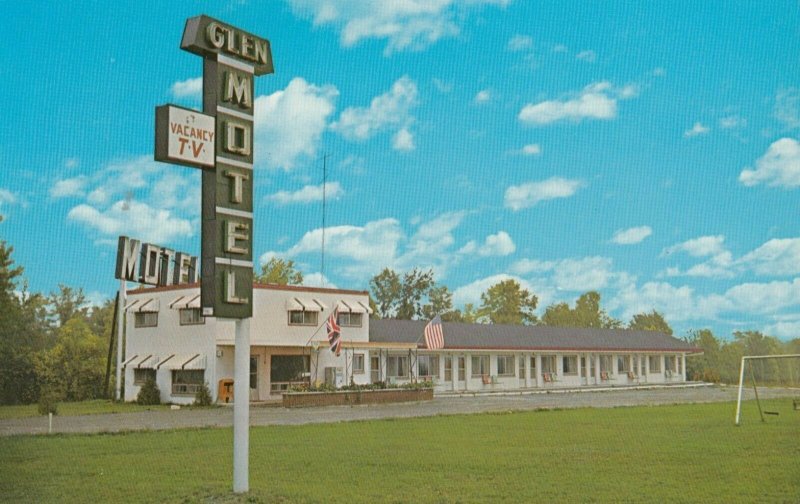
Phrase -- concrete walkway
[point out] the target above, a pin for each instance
(440, 405)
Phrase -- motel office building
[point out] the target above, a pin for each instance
(168, 340)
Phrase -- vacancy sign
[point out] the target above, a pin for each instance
(185, 136)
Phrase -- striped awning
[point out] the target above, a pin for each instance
(186, 302)
(186, 361)
(149, 305)
(353, 306)
(301, 304)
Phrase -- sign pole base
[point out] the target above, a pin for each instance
(241, 407)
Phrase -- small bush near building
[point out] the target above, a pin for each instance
(149, 393)
(48, 402)
(203, 396)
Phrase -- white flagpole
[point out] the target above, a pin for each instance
(120, 334)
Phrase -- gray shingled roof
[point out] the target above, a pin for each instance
(514, 337)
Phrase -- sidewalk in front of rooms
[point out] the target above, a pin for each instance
(567, 390)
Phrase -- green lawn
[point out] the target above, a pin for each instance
(684, 453)
(94, 407)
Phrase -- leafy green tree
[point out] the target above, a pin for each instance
(652, 321)
(704, 367)
(75, 366)
(413, 295)
(587, 313)
(66, 303)
(279, 271)
(440, 302)
(414, 289)
(506, 302)
(385, 287)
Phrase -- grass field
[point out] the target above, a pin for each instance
(683, 453)
(95, 407)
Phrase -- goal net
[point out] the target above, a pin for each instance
(765, 373)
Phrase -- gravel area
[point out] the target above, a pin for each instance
(445, 404)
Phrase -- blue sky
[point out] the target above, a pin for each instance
(647, 152)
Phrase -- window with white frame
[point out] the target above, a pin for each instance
(521, 372)
(346, 319)
(623, 364)
(140, 376)
(678, 362)
(358, 363)
(505, 365)
(301, 317)
(533, 366)
(145, 319)
(191, 316)
(187, 381)
(397, 366)
(462, 373)
(570, 364)
(606, 363)
(669, 363)
(428, 366)
(655, 363)
(448, 368)
(480, 365)
(375, 368)
(549, 364)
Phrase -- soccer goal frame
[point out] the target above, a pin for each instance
(749, 359)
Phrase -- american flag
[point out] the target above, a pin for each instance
(334, 333)
(434, 337)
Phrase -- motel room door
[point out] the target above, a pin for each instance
(254, 377)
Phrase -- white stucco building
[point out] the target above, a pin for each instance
(168, 340)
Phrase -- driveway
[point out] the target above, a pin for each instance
(440, 405)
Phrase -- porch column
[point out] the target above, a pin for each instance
(587, 370)
(597, 369)
(527, 358)
(467, 370)
(663, 367)
(538, 370)
(454, 371)
(646, 365)
(683, 366)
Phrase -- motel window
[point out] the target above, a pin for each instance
(142, 375)
(623, 364)
(448, 368)
(349, 319)
(570, 364)
(375, 368)
(397, 366)
(521, 373)
(606, 363)
(533, 366)
(191, 316)
(145, 319)
(187, 381)
(480, 365)
(428, 366)
(358, 363)
(298, 317)
(678, 363)
(505, 365)
(669, 363)
(655, 363)
(462, 373)
(548, 363)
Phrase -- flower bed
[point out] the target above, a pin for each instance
(352, 397)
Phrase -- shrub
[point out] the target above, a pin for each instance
(203, 396)
(149, 393)
(48, 402)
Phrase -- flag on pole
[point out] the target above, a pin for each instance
(434, 337)
(334, 332)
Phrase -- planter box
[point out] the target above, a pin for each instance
(351, 397)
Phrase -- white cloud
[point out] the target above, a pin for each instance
(632, 235)
(698, 247)
(560, 48)
(471, 293)
(531, 150)
(317, 280)
(189, 88)
(71, 162)
(405, 24)
(588, 56)
(526, 266)
(596, 101)
(7, 198)
(572, 274)
(785, 329)
(675, 303)
(403, 140)
(307, 194)
(289, 123)
(697, 129)
(520, 43)
(531, 193)
(719, 264)
(730, 122)
(778, 167)
(135, 219)
(442, 86)
(68, 187)
(775, 257)
(430, 245)
(787, 107)
(483, 96)
(499, 244)
(389, 111)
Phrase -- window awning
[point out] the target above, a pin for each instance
(144, 306)
(186, 302)
(125, 364)
(301, 304)
(148, 362)
(186, 361)
(353, 306)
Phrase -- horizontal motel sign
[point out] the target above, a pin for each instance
(220, 141)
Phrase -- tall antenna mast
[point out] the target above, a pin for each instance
(324, 201)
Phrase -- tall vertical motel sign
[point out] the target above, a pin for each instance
(220, 141)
